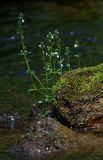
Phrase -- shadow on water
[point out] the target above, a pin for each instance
(75, 22)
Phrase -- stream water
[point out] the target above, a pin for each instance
(74, 22)
(77, 22)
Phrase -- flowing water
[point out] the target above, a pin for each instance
(74, 22)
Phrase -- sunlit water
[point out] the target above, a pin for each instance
(78, 22)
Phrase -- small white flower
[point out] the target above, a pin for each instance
(46, 53)
(76, 45)
(40, 46)
(61, 65)
(48, 69)
(56, 31)
(56, 53)
(40, 102)
(22, 20)
(57, 56)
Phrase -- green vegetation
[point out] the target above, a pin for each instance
(55, 60)
(79, 84)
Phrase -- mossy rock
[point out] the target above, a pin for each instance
(79, 97)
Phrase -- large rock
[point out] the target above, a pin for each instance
(79, 98)
(47, 136)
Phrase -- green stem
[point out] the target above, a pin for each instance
(61, 72)
(69, 63)
(46, 74)
(27, 63)
(50, 62)
(78, 60)
(54, 72)
(28, 66)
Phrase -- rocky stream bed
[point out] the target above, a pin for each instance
(74, 121)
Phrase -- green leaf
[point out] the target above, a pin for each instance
(61, 61)
(31, 90)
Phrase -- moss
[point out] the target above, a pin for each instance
(77, 84)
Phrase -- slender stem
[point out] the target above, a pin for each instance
(46, 74)
(27, 63)
(61, 72)
(78, 59)
(50, 62)
(28, 66)
(54, 71)
(69, 62)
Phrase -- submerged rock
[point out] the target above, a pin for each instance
(80, 98)
(10, 119)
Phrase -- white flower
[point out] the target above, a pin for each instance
(48, 69)
(46, 53)
(22, 20)
(61, 65)
(57, 56)
(76, 45)
(40, 46)
(40, 102)
(56, 31)
(56, 53)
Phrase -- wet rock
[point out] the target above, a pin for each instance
(39, 111)
(47, 136)
(10, 119)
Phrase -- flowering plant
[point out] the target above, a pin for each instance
(53, 62)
